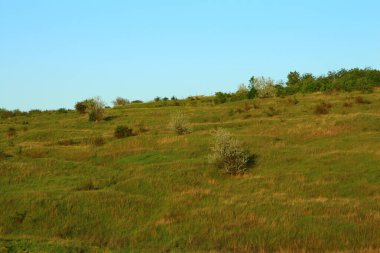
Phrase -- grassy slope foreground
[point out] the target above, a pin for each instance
(315, 185)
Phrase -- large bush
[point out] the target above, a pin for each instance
(264, 87)
(228, 154)
(119, 101)
(95, 108)
(81, 106)
(179, 123)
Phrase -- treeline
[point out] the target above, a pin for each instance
(258, 87)
(343, 80)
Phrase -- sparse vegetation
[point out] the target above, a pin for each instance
(319, 174)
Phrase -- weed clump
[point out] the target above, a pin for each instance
(122, 132)
(293, 100)
(12, 132)
(271, 111)
(361, 100)
(322, 108)
(98, 141)
(180, 124)
(228, 154)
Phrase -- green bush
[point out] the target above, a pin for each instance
(119, 101)
(180, 124)
(228, 154)
(81, 107)
(95, 108)
(122, 132)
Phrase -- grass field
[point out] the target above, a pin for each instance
(315, 186)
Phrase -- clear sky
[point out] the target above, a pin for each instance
(55, 53)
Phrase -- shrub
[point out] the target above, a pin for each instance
(322, 108)
(228, 154)
(95, 108)
(347, 104)
(361, 100)
(68, 142)
(141, 127)
(122, 132)
(62, 110)
(179, 124)
(264, 86)
(12, 132)
(221, 97)
(271, 111)
(293, 100)
(119, 101)
(81, 107)
(99, 141)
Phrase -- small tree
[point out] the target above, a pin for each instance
(252, 92)
(180, 124)
(265, 87)
(228, 154)
(119, 101)
(95, 108)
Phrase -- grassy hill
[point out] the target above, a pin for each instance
(315, 186)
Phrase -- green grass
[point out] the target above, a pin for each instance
(315, 186)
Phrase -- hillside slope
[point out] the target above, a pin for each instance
(315, 185)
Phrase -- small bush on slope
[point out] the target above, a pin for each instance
(122, 132)
(180, 124)
(228, 154)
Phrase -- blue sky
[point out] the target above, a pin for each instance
(55, 53)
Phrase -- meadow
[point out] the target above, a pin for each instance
(68, 185)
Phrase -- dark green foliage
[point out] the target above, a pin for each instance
(221, 97)
(137, 102)
(62, 110)
(342, 80)
(157, 99)
(122, 132)
(81, 107)
(252, 92)
(5, 114)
